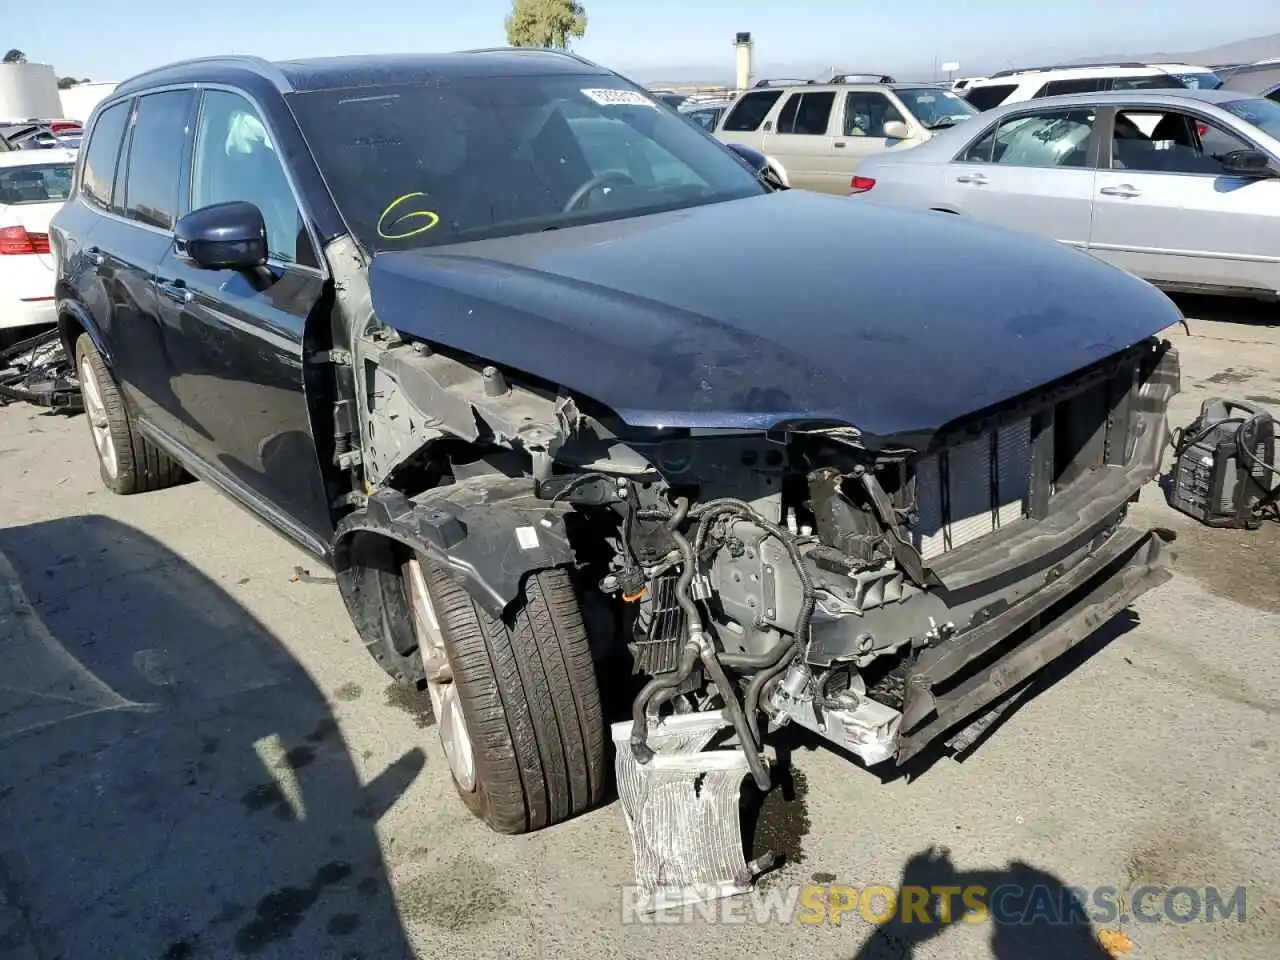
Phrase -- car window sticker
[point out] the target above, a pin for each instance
(619, 98)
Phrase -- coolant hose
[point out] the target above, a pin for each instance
(667, 681)
(750, 742)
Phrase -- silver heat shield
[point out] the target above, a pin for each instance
(682, 811)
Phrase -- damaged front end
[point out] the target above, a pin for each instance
(886, 593)
(882, 592)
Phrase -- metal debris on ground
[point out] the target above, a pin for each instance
(37, 370)
(303, 575)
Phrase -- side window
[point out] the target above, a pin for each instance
(1161, 81)
(807, 113)
(1060, 88)
(1058, 138)
(749, 112)
(235, 159)
(160, 127)
(1274, 95)
(866, 113)
(1169, 142)
(100, 154)
(981, 150)
(991, 95)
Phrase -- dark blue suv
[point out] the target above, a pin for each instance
(572, 398)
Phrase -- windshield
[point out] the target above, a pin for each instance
(936, 108)
(1199, 80)
(35, 183)
(415, 165)
(1263, 114)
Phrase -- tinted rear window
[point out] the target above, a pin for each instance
(1061, 88)
(100, 156)
(984, 98)
(749, 112)
(43, 183)
(1161, 81)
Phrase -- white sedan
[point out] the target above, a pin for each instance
(1180, 187)
(33, 185)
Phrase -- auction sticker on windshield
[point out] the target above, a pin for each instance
(619, 98)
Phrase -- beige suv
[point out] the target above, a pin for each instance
(816, 134)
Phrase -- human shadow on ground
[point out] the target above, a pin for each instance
(173, 785)
(1030, 912)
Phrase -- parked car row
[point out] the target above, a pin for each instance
(1179, 187)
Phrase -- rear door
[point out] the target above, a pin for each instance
(234, 340)
(745, 121)
(804, 141)
(1167, 211)
(1032, 171)
(135, 240)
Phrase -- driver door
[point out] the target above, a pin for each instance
(235, 340)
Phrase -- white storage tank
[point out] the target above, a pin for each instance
(78, 101)
(28, 91)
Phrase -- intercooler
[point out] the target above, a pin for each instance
(970, 490)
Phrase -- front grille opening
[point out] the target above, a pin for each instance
(976, 487)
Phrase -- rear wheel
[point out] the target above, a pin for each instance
(127, 462)
(515, 698)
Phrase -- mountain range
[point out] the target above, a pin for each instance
(1238, 51)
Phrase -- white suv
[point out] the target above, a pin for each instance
(1014, 86)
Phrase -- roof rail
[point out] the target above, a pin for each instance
(1126, 64)
(782, 82)
(855, 77)
(556, 50)
(251, 62)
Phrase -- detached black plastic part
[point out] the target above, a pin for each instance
(489, 532)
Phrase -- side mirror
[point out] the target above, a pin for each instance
(1247, 163)
(759, 165)
(897, 130)
(223, 236)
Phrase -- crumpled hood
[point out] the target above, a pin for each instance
(787, 306)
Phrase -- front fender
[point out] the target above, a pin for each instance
(488, 532)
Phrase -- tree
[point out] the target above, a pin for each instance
(67, 82)
(545, 23)
(15, 56)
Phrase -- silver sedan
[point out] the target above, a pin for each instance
(1181, 188)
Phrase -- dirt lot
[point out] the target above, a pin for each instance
(197, 760)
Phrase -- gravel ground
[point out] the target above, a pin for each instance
(197, 759)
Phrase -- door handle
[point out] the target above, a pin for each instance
(839, 144)
(95, 256)
(174, 290)
(1124, 190)
(971, 178)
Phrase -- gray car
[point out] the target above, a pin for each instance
(1181, 188)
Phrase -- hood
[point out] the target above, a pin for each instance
(787, 306)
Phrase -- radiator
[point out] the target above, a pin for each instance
(972, 489)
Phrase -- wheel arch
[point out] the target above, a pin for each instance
(488, 532)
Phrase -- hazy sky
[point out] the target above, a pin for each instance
(110, 40)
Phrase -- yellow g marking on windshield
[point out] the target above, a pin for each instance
(430, 216)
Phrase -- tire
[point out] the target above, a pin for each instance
(526, 688)
(127, 462)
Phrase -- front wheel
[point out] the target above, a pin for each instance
(515, 698)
